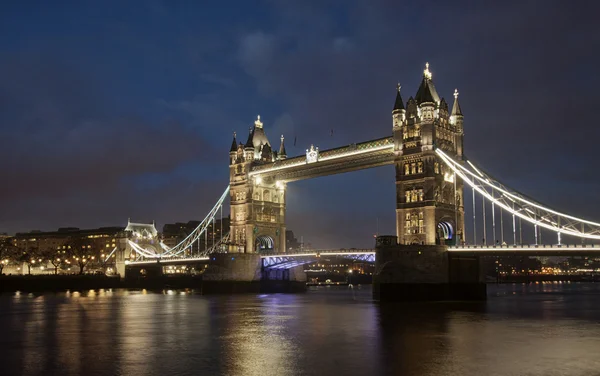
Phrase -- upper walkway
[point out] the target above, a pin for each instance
(351, 157)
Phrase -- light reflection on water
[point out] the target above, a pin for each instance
(538, 329)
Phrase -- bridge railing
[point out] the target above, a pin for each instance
(531, 246)
(330, 252)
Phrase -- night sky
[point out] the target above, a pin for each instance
(117, 109)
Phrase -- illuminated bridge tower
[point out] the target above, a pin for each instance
(429, 199)
(257, 204)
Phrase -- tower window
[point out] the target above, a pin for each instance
(436, 167)
(413, 168)
(420, 167)
(406, 169)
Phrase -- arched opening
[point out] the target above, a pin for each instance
(445, 233)
(264, 243)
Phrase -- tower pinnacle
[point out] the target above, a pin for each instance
(427, 92)
(426, 72)
(398, 104)
(456, 111)
(257, 122)
(249, 143)
(282, 154)
(233, 144)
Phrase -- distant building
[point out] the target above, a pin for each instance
(100, 243)
(101, 239)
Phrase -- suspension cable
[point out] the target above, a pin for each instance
(540, 219)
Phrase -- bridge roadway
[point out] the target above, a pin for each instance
(292, 259)
(170, 261)
(529, 250)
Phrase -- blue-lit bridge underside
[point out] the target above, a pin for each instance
(290, 260)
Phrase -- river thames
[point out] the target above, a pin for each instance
(539, 329)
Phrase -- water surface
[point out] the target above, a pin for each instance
(540, 329)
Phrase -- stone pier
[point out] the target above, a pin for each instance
(424, 273)
(243, 272)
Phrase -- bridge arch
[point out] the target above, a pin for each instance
(264, 243)
(445, 232)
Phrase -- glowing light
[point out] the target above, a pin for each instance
(426, 72)
(257, 122)
(258, 180)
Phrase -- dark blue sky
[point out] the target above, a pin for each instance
(117, 109)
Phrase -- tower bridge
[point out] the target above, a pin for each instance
(426, 147)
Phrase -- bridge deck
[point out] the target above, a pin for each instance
(169, 261)
(529, 250)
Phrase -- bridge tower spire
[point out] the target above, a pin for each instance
(233, 149)
(456, 119)
(429, 205)
(399, 112)
(281, 154)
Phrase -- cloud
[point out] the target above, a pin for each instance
(256, 52)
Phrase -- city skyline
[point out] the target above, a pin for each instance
(138, 122)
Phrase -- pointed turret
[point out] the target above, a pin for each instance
(411, 108)
(233, 144)
(456, 117)
(427, 92)
(399, 104)
(443, 104)
(249, 147)
(233, 150)
(282, 154)
(398, 113)
(249, 143)
(266, 153)
(456, 111)
(443, 109)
